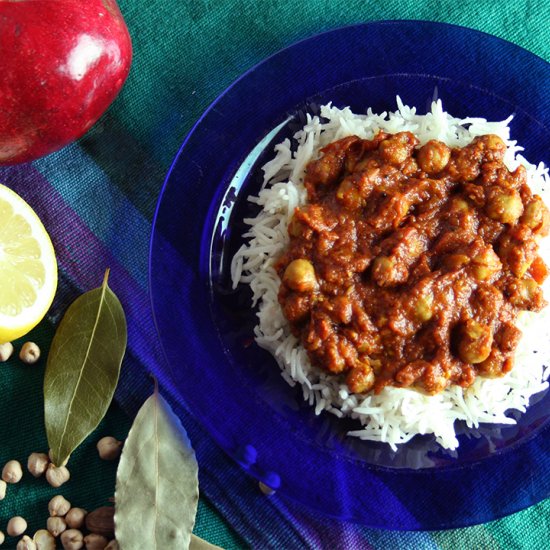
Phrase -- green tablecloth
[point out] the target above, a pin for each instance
(185, 53)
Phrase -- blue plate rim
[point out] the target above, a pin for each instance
(172, 391)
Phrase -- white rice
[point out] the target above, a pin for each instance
(396, 414)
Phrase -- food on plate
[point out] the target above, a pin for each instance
(397, 259)
(408, 264)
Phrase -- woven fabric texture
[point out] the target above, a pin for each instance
(97, 198)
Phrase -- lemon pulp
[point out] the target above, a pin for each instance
(28, 268)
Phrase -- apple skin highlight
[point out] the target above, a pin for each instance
(62, 65)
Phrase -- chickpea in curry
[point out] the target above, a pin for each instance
(409, 264)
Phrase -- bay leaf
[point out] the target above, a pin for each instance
(157, 488)
(200, 544)
(83, 368)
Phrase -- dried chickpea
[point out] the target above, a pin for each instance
(37, 463)
(56, 525)
(6, 351)
(26, 543)
(30, 353)
(109, 448)
(2, 537)
(3, 487)
(72, 539)
(57, 475)
(44, 540)
(75, 518)
(59, 506)
(12, 472)
(16, 526)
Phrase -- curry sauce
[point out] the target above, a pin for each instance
(409, 265)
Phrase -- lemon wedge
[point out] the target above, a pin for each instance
(28, 268)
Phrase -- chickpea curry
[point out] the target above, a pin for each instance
(409, 265)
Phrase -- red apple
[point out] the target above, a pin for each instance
(62, 63)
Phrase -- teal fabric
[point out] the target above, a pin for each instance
(97, 197)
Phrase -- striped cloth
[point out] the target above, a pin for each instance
(97, 198)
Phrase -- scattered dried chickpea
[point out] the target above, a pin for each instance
(6, 351)
(2, 537)
(93, 541)
(57, 475)
(30, 353)
(37, 463)
(3, 486)
(72, 539)
(12, 472)
(16, 526)
(75, 518)
(59, 506)
(109, 448)
(26, 543)
(44, 540)
(56, 525)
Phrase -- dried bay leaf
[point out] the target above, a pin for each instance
(83, 368)
(200, 544)
(157, 487)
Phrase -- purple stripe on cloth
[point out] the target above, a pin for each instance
(263, 522)
(82, 258)
(101, 205)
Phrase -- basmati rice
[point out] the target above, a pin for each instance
(395, 415)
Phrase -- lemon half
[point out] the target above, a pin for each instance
(28, 268)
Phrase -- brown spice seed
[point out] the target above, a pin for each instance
(93, 541)
(101, 521)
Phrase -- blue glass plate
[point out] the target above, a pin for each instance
(234, 388)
